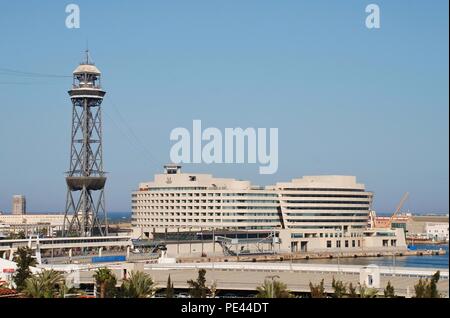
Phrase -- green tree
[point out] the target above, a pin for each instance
(420, 288)
(389, 291)
(17, 236)
(24, 260)
(339, 288)
(352, 291)
(432, 287)
(169, 289)
(106, 281)
(46, 284)
(273, 289)
(42, 232)
(139, 285)
(198, 288)
(317, 291)
(428, 288)
(365, 292)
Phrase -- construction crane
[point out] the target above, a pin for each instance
(399, 206)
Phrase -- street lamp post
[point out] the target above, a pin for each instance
(339, 249)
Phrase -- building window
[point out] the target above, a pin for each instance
(328, 244)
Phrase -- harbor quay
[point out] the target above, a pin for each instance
(82, 249)
(311, 256)
(229, 277)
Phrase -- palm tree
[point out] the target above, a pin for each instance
(105, 281)
(273, 289)
(45, 284)
(139, 285)
(33, 288)
(365, 292)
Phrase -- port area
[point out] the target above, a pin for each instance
(308, 256)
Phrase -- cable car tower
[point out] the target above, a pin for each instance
(85, 213)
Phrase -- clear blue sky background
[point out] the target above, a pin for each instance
(346, 99)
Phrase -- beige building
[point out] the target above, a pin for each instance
(180, 201)
(417, 224)
(324, 207)
(437, 231)
(311, 213)
(31, 223)
(19, 205)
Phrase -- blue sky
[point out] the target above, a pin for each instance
(346, 99)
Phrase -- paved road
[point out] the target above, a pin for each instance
(297, 281)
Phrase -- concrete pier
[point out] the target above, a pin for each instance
(307, 256)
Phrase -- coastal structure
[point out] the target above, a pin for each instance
(308, 214)
(19, 205)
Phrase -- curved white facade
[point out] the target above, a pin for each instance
(313, 205)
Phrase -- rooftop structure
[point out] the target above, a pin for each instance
(19, 205)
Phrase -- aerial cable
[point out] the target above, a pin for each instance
(132, 142)
(135, 137)
(9, 72)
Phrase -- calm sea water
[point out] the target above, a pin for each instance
(435, 261)
(119, 216)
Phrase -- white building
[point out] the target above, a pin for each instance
(311, 213)
(437, 231)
